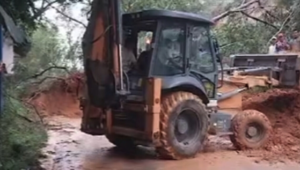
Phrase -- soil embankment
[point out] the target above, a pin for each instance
(282, 106)
(60, 98)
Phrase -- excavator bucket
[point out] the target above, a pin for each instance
(282, 67)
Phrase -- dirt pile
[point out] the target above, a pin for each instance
(60, 98)
(282, 106)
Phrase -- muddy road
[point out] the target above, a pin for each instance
(70, 149)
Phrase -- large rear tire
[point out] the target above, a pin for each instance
(251, 130)
(183, 126)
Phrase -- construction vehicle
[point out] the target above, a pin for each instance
(171, 100)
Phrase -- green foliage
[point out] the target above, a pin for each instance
(20, 138)
(22, 135)
(27, 14)
(49, 59)
(181, 5)
(46, 50)
(20, 11)
(243, 38)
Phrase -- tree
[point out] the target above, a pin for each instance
(249, 30)
(27, 13)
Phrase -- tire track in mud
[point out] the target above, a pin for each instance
(70, 149)
(60, 148)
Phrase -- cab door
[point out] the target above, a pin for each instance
(201, 57)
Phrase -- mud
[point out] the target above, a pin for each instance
(59, 98)
(68, 148)
(282, 106)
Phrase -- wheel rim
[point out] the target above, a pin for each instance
(255, 132)
(187, 127)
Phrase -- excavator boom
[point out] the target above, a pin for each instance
(101, 48)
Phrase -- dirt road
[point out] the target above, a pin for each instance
(69, 149)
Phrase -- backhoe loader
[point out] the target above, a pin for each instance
(168, 99)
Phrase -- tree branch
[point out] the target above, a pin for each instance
(32, 6)
(44, 79)
(67, 16)
(285, 21)
(259, 20)
(39, 12)
(234, 10)
(47, 69)
(268, 13)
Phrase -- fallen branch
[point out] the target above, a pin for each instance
(40, 74)
(49, 77)
(47, 69)
(259, 20)
(241, 8)
(268, 13)
(25, 118)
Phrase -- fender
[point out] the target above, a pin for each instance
(185, 83)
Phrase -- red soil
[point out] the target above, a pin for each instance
(61, 98)
(282, 106)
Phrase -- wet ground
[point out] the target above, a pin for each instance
(70, 149)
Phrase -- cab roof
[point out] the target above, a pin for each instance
(158, 14)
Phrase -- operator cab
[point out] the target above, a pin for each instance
(174, 46)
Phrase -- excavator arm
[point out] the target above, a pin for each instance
(102, 62)
(101, 49)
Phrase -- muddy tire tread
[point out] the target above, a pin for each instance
(165, 151)
(238, 121)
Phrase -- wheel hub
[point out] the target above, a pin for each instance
(182, 126)
(252, 131)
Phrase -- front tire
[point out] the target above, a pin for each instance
(183, 126)
(251, 130)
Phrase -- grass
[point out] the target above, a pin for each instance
(258, 89)
(20, 138)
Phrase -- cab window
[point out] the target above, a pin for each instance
(144, 41)
(169, 58)
(201, 56)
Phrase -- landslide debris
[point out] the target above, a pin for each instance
(282, 106)
(60, 98)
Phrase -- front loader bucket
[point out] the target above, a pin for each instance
(282, 67)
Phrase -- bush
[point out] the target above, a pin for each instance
(21, 137)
